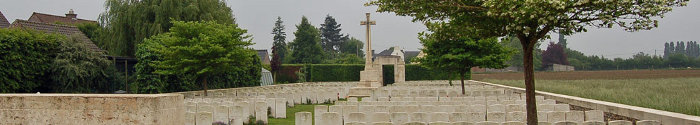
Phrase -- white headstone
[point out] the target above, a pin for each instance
(496, 108)
(221, 114)
(280, 108)
(516, 116)
(415, 123)
(204, 118)
(574, 116)
(238, 115)
(302, 118)
(620, 122)
(355, 123)
(476, 116)
(515, 108)
(458, 117)
(399, 118)
(648, 122)
(556, 117)
(261, 111)
(190, 118)
(439, 117)
(561, 107)
(347, 109)
(318, 110)
(594, 115)
(496, 117)
(440, 123)
(380, 117)
(545, 107)
(330, 118)
(271, 105)
(514, 123)
(542, 116)
(488, 123)
(593, 123)
(419, 117)
(566, 123)
(356, 117)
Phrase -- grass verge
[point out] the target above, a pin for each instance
(679, 95)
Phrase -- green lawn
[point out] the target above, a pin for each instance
(680, 95)
(290, 115)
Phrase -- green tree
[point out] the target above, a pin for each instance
(92, 31)
(26, 56)
(449, 47)
(679, 60)
(345, 59)
(517, 59)
(531, 21)
(76, 68)
(306, 47)
(279, 46)
(201, 48)
(352, 46)
(331, 38)
(128, 22)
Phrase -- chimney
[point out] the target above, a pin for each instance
(71, 14)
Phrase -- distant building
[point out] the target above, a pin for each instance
(70, 18)
(507, 69)
(3, 21)
(559, 67)
(264, 56)
(56, 28)
(392, 51)
(409, 55)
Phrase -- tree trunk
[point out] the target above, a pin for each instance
(461, 76)
(205, 85)
(449, 76)
(531, 106)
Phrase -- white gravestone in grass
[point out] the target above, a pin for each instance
(261, 111)
(302, 118)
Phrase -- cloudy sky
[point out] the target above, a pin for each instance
(258, 17)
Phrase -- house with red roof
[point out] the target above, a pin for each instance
(70, 18)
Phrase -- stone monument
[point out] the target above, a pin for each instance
(369, 78)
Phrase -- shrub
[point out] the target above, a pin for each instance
(25, 57)
(77, 68)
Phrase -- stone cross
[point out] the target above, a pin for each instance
(368, 55)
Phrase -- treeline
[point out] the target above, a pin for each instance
(690, 49)
(676, 55)
(311, 45)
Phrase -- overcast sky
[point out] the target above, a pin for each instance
(258, 17)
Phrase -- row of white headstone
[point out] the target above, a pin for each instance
(332, 118)
(236, 105)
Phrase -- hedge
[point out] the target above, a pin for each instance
(25, 57)
(351, 72)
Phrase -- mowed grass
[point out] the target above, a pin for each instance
(681, 95)
(290, 115)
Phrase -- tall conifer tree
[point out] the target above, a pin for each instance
(306, 47)
(279, 46)
(331, 38)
